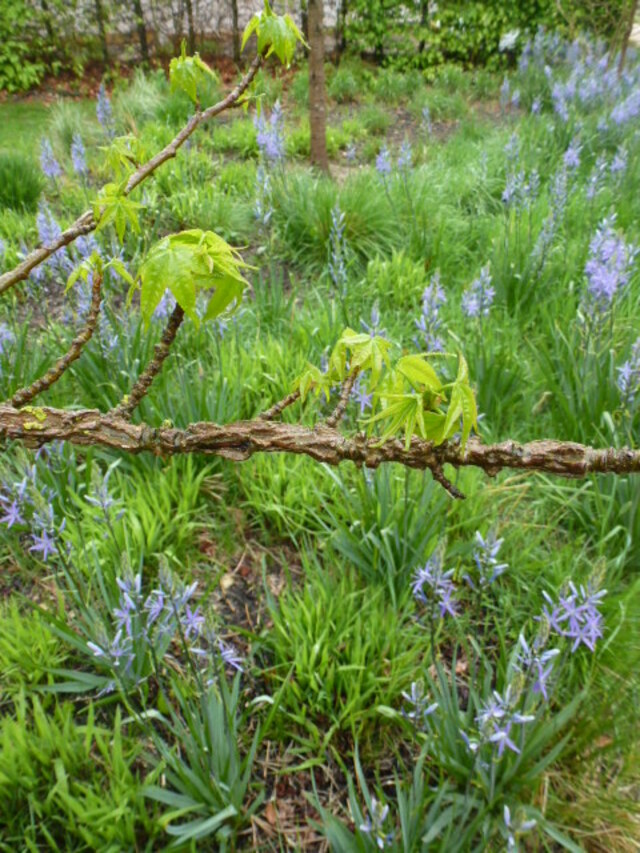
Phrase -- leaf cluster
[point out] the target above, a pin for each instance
(188, 263)
(410, 396)
(277, 34)
(189, 74)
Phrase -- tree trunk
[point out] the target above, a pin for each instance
(192, 31)
(142, 31)
(47, 22)
(627, 35)
(317, 98)
(102, 31)
(341, 33)
(304, 20)
(424, 17)
(236, 30)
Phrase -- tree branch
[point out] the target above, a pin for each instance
(279, 407)
(87, 222)
(336, 416)
(129, 403)
(241, 440)
(25, 395)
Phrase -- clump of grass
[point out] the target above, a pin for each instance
(330, 651)
(68, 118)
(376, 120)
(343, 86)
(21, 182)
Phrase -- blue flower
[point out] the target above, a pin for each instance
(405, 158)
(536, 664)
(104, 112)
(609, 264)
(434, 587)
(572, 154)
(628, 380)
(360, 395)
(78, 155)
(421, 709)
(479, 296)
(576, 616)
(7, 337)
(192, 622)
(426, 119)
(485, 555)
(48, 162)
(270, 136)
(383, 161)
(429, 322)
(12, 515)
(374, 824)
(44, 544)
(229, 656)
(515, 828)
(505, 91)
(337, 249)
(619, 162)
(374, 326)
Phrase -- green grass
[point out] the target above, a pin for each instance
(21, 126)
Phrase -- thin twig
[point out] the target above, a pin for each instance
(279, 407)
(336, 416)
(26, 395)
(129, 402)
(87, 222)
(438, 475)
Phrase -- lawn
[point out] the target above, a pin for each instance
(21, 124)
(277, 653)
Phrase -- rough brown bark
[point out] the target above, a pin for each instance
(87, 223)
(317, 96)
(128, 405)
(278, 408)
(239, 441)
(26, 395)
(336, 416)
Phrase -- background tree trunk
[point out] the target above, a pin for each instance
(236, 30)
(317, 97)
(46, 16)
(304, 20)
(341, 29)
(192, 30)
(142, 31)
(101, 30)
(633, 11)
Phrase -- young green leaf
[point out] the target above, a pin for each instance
(188, 73)
(313, 379)
(419, 372)
(276, 34)
(113, 207)
(187, 263)
(85, 269)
